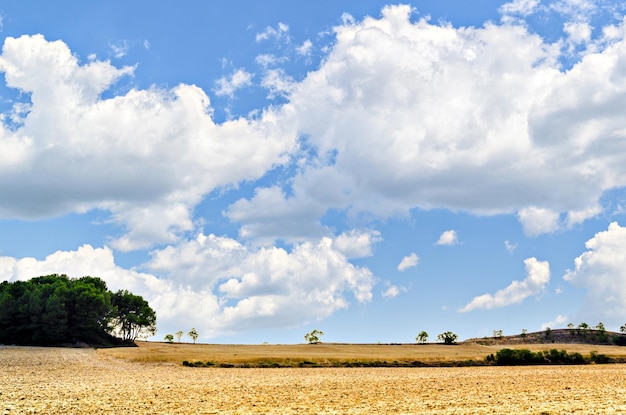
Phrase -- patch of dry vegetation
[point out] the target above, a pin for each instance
(84, 381)
(331, 354)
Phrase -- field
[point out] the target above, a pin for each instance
(151, 380)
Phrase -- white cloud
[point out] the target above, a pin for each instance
(519, 7)
(277, 83)
(280, 32)
(552, 148)
(538, 220)
(356, 244)
(601, 271)
(448, 238)
(517, 291)
(391, 292)
(120, 49)
(147, 157)
(557, 322)
(578, 32)
(510, 247)
(220, 286)
(237, 80)
(305, 48)
(408, 262)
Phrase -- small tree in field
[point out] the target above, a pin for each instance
(169, 338)
(623, 328)
(422, 337)
(179, 334)
(193, 333)
(314, 336)
(447, 337)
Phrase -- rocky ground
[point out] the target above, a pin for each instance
(82, 381)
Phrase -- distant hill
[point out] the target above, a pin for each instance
(563, 336)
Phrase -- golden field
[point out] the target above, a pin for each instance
(151, 380)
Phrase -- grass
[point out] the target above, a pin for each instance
(336, 355)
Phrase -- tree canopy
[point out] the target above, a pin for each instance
(55, 309)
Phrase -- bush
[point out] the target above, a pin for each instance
(619, 340)
(520, 357)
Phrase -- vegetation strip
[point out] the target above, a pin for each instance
(504, 357)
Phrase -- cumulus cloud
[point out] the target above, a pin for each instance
(220, 286)
(536, 221)
(519, 7)
(534, 284)
(305, 48)
(391, 292)
(226, 86)
(553, 148)
(601, 271)
(409, 261)
(147, 157)
(448, 238)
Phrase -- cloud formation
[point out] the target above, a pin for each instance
(534, 284)
(147, 156)
(448, 238)
(220, 286)
(552, 148)
(601, 271)
(409, 261)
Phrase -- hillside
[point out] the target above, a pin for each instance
(560, 336)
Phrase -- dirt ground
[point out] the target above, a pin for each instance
(82, 381)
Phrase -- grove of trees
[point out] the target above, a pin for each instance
(55, 309)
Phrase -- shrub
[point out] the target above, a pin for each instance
(519, 357)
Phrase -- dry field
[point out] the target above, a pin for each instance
(85, 381)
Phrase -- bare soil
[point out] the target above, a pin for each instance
(87, 381)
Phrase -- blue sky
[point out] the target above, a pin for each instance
(259, 169)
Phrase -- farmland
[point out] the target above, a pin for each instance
(150, 379)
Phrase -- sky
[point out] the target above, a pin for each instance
(257, 170)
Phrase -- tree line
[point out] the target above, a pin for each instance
(55, 309)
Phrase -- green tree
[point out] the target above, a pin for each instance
(524, 333)
(179, 334)
(193, 333)
(133, 317)
(314, 336)
(623, 328)
(169, 338)
(422, 337)
(497, 333)
(447, 337)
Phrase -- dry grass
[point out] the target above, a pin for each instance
(325, 353)
(78, 381)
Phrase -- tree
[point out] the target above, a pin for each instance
(524, 333)
(133, 317)
(314, 336)
(497, 333)
(600, 327)
(623, 328)
(422, 337)
(179, 334)
(169, 338)
(447, 337)
(193, 333)
(55, 309)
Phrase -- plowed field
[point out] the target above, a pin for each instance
(85, 381)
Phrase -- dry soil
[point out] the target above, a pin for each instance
(83, 381)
